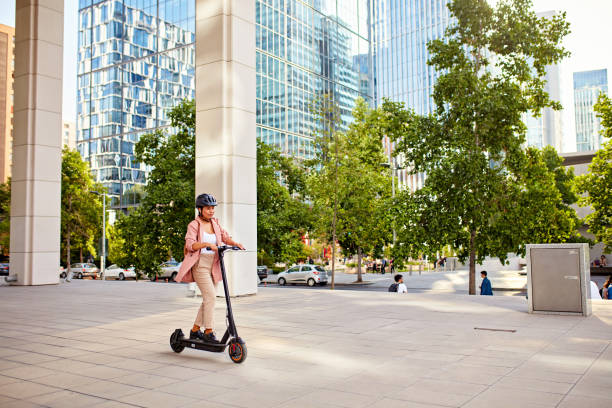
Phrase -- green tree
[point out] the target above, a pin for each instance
(596, 185)
(81, 224)
(155, 231)
(349, 187)
(282, 216)
(5, 217)
(492, 64)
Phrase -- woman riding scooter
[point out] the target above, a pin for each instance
(201, 263)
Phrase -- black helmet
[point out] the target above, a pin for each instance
(204, 200)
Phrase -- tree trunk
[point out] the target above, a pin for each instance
(359, 256)
(81, 254)
(472, 263)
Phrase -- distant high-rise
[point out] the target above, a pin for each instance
(7, 66)
(546, 129)
(587, 87)
(402, 29)
(68, 134)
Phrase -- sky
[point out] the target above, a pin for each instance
(588, 43)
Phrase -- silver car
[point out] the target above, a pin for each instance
(80, 270)
(168, 270)
(309, 274)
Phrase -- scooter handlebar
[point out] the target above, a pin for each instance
(224, 248)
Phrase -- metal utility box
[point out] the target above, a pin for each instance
(558, 279)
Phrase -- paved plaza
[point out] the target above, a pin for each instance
(105, 344)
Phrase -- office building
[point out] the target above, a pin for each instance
(135, 63)
(7, 66)
(547, 128)
(307, 50)
(68, 134)
(402, 29)
(587, 87)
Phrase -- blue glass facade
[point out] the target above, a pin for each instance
(307, 49)
(135, 62)
(402, 29)
(587, 87)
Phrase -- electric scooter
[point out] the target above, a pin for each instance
(237, 347)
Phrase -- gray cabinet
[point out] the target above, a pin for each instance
(558, 279)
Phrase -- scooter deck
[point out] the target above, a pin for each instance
(200, 345)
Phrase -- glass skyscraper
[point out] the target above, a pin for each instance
(587, 87)
(307, 49)
(136, 61)
(402, 29)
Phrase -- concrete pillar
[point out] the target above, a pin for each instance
(36, 188)
(225, 127)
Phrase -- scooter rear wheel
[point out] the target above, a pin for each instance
(237, 350)
(175, 341)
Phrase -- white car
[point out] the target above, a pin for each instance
(115, 271)
(309, 274)
(169, 270)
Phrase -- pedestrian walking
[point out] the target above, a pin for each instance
(485, 287)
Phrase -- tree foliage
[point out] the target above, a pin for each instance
(477, 196)
(283, 217)
(596, 185)
(348, 173)
(81, 225)
(155, 231)
(5, 217)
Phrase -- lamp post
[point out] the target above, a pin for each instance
(393, 169)
(103, 257)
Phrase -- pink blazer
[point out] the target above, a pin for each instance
(191, 257)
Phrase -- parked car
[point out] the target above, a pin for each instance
(168, 270)
(309, 274)
(115, 271)
(81, 270)
(4, 269)
(262, 272)
(62, 272)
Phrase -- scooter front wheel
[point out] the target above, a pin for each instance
(237, 350)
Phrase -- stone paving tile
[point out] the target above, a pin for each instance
(106, 389)
(573, 401)
(64, 380)
(21, 404)
(536, 385)
(31, 358)
(144, 380)
(7, 380)
(156, 399)
(27, 372)
(66, 399)
(6, 365)
(106, 373)
(504, 397)
(25, 389)
(394, 403)
(446, 393)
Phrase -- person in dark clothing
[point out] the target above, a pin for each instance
(485, 287)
